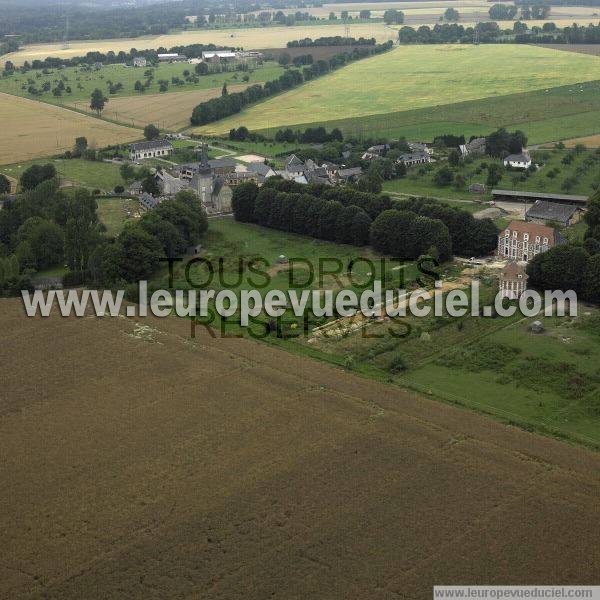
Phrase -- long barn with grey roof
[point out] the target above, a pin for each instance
(151, 149)
(517, 196)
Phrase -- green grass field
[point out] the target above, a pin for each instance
(74, 77)
(115, 212)
(90, 174)
(419, 77)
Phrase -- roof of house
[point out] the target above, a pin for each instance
(541, 196)
(151, 145)
(148, 200)
(223, 162)
(518, 158)
(551, 211)
(413, 156)
(514, 270)
(259, 168)
(344, 173)
(293, 163)
(533, 229)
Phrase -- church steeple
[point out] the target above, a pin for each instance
(203, 166)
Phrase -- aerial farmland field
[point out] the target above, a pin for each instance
(240, 470)
(33, 129)
(412, 77)
(166, 111)
(249, 38)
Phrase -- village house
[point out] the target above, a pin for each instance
(518, 161)
(294, 167)
(172, 57)
(522, 241)
(219, 56)
(375, 151)
(420, 147)
(476, 147)
(152, 149)
(414, 158)
(513, 280)
(551, 212)
(261, 170)
(148, 202)
(140, 61)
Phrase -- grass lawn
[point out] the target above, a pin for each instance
(412, 77)
(268, 149)
(86, 173)
(232, 241)
(115, 212)
(545, 381)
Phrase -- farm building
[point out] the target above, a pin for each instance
(414, 158)
(152, 149)
(516, 196)
(148, 201)
(140, 61)
(518, 161)
(543, 212)
(477, 188)
(218, 56)
(513, 280)
(476, 147)
(522, 241)
(172, 57)
(420, 147)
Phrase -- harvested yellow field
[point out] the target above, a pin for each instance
(269, 37)
(33, 129)
(167, 111)
(591, 141)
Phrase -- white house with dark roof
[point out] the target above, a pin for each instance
(151, 149)
(294, 167)
(518, 161)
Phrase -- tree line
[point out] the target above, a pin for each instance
(490, 33)
(332, 41)
(224, 106)
(405, 229)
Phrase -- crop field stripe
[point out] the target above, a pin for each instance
(34, 129)
(418, 77)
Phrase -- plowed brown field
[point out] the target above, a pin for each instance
(142, 464)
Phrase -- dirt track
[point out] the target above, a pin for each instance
(142, 465)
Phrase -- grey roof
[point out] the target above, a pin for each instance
(293, 163)
(151, 145)
(345, 173)
(518, 158)
(542, 196)
(148, 200)
(413, 156)
(259, 168)
(222, 162)
(551, 211)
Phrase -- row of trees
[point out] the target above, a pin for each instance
(311, 135)
(218, 108)
(490, 33)
(572, 266)
(332, 41)
(347, 215)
